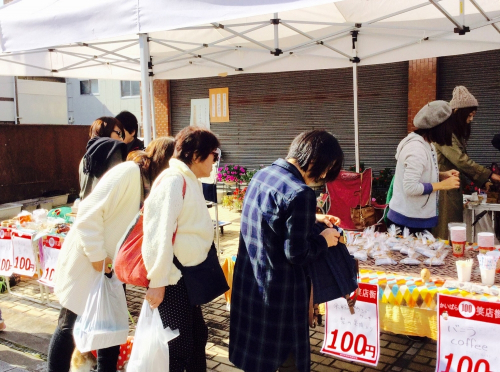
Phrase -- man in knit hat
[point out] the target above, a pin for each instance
(464, 106)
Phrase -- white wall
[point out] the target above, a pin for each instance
(85, 108)
(42, 102)
(7, 108)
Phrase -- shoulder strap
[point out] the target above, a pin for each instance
(176, 261)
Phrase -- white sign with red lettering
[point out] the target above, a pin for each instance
(354, 337)
(24, 257)
(467, 335)
(49, 253)
(6, 252)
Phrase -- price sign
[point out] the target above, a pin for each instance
(49, 253)
(354, 336)
(6, 252)
(467, 335)
(24, 257)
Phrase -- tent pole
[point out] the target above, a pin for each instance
(152, 97)
(355, 61)
(146, 97)
(276, 37)
(462, 12)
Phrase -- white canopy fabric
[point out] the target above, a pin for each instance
(198, 38)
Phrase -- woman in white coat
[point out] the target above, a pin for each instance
(103, 217)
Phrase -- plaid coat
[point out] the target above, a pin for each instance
(270, 293)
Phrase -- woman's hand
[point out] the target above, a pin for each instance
(331, 236)
(448, 174)
(495, 178)
(328, 219)
(450, 183)
(155, 296)
(107, 265)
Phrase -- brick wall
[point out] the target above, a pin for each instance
(161, 90)
(422, 86)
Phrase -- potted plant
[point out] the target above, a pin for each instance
(231, 174)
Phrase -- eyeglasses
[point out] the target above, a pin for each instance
(216, 155)
(120, 134)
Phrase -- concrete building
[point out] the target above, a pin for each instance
(89, 99)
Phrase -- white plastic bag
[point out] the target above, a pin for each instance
(104, 322)
(150, 351)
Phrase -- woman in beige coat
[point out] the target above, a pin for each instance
(464, 106)
(103, 218)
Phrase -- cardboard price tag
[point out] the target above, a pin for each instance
(354, 337)
(467, 335)
(49, 253)
(6, 252)
(24, 257)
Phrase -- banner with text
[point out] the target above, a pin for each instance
(6, 252)
(354, 337)
(467, 335)
(50, 246)
(24, 256)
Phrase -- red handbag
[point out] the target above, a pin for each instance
(129, 265)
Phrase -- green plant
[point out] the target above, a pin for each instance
(247, 177)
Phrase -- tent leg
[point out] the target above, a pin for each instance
(145, 95)
(355, 61)
(152, 97)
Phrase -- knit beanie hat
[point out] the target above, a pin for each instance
(432, 114)
(462, 98)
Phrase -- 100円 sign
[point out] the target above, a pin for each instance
(468, 332)
(354, 337)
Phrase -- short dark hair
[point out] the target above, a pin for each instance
(194, 142)
(154, 159)
(104, 126)
(462, 129)
(320, 151)
(442, 133)
(129, 122)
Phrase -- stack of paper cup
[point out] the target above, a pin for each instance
(464, 269)
(457, 237)
(487, 265)
(485, 241)
(495, 253)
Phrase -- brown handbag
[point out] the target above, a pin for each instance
(363, 216)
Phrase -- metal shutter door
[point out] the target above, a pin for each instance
(480, 73)
(267, 111)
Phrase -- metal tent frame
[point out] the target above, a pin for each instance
(176, 54)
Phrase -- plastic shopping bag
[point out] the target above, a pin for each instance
(104, 322)
(150, 351)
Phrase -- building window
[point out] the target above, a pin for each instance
(90, 86)
(130, 88)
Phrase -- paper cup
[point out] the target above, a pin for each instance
(458, 238)
(463, 272)
(495, 253)
(485, 241)
(487, 276)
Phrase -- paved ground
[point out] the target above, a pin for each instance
(24, 345)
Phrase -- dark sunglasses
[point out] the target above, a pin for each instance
(120, 134)
(216, 156)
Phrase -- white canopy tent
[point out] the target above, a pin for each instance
(168, 39)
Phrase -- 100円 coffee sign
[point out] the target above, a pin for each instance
(467, 335)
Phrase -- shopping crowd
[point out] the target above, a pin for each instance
(279, 239)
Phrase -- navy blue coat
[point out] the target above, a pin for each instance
(270, 294)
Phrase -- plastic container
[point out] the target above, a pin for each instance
(9, 210)
(458, 238)
(59, 200)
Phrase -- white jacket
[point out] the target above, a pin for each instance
(164, 209)
(416, 165)
(103, 217)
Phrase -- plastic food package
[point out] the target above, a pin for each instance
(360, 255)
(150, 351)
(385, 261)
(438, 259)
(412, 259)
(398, 247)
(104, 321)
(352, 249)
